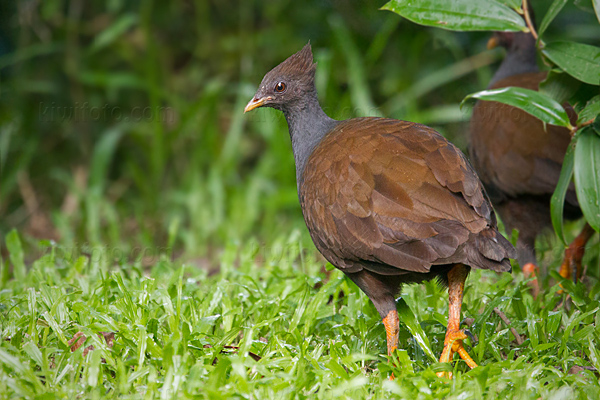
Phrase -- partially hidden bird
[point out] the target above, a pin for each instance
(387, 202)
(519, 160)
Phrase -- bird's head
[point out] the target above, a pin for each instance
(511, 41)
(287, 84)
(514, 41)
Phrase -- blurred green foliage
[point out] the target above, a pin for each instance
(121, 122)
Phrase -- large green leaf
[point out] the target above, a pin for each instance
(552, 12)
(579, 60)
(591, 110)
(537, 104)
(596, 4)
(514, 4)
(587, 176)
(559, 85)
(459, 15)
(557, 202)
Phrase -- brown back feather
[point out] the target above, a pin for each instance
(396, 196)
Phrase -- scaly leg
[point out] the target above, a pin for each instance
(454, 336)
(392, 330)
(571, 266)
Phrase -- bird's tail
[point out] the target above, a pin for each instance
(493, 251)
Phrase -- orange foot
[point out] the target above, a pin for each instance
(530, 271)
(453, 344)
(454, 336)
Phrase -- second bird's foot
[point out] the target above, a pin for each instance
(530, 271)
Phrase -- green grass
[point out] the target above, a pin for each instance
(316, 334)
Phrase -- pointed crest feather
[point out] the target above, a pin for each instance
(299, 63)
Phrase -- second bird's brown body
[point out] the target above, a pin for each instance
(519, 159)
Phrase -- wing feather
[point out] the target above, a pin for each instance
(394, 193)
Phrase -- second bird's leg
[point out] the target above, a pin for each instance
(455, 336)
(571, 265)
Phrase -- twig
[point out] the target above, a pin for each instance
(582, 125)
(503, 317)
(528, 20)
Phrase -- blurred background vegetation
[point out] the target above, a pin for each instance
(121, 122)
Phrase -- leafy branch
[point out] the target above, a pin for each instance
(575, 73)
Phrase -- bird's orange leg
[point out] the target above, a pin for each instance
(530, 271)
(392, 330)
(571, 266)
(454, 336)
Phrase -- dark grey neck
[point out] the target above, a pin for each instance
(520, 58)
(308, 124)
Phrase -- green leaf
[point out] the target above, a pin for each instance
(93, 371)
(459, 15)
(406, 315)
(587, 176)
(558, 197)
(115, 30)
(596, 4)
(552, 12)
(102, 156)
(514, 4)
(535, 103)
(11, 361)
(13, 243)
(579, 60)
(34, 353)
(559, 85)
(590, 111)
(55, 327)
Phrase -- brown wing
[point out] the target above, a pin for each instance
(392, 193)
(511, 150)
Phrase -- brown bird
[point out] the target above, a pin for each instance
(519, 160)
(388, 202)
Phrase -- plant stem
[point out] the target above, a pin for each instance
(582, 125)
(528, 20)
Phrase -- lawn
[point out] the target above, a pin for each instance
(272, 322)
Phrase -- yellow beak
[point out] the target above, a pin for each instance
(492, 43)
(255, 103)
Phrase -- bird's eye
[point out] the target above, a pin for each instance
(280, 87)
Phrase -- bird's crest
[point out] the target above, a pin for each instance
(300, 63)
